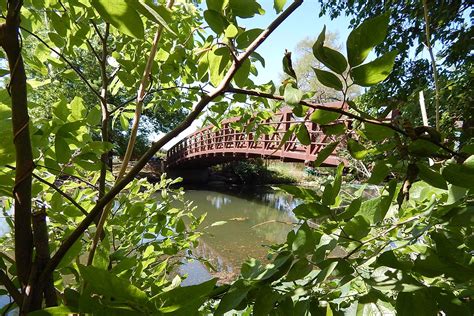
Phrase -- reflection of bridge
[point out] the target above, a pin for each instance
(208, 146)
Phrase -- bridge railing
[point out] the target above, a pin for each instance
(210, 142)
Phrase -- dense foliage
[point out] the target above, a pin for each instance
(86, 240)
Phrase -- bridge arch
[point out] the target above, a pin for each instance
(209, 146)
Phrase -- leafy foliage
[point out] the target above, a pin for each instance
(407, 250)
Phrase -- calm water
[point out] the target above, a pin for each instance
(253, 219)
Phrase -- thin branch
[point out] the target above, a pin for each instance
(54, 187)
(365, 242)
(96, 28)
(77, 70)
(200, 106)
(11, 288)
(152, 91)
(94, 51)
(336, 110)
(69, 175)
(273, 221)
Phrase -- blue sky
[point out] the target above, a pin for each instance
(304, 22)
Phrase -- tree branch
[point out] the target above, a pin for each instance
(10, 42)
(57, 189)
(200, 106)
(11, 288)
(77, 70)
(336, 110)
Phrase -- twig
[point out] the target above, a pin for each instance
(273, 221)
(152, 91)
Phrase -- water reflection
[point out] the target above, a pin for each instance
(254, 219)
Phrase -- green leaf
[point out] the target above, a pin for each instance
(327, 197)
(374, 72)
(231, 31)
(352, 209)
(356, 149)
(72, 253)
(245, 8)
(303, 135)
(242, 75)
(329, 57)
(56, 39)
(217, 5)
(461, 175)
(77, 108)
(328, 79)
(423, 148)
(334, 129)
(418, 303)
(7, 150)
(299, 270)
(292, 95)
(247, 37)
(124, 122)
(323, 117)
(265, 301)
(215, 20)
(325, 153)
(122, 15)
(233, 297)
(379, 173)
(376, 132)
(60, 110)
(278, 5)
(159, 14)
(218, 61)
(62, 150)
(94, 117)
(357, 228)
(325, 272)
(288, 65)
(311, 211)
(304, 241)
(365, 37)
(55, 311)
(337, 182)
(105, 283)
(431, 177)
(299, 192)
(185, 300)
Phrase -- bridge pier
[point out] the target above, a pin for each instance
(190, 175)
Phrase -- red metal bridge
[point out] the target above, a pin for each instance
(209, 146)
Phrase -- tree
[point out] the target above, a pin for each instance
(411, 244)
(449, 33)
